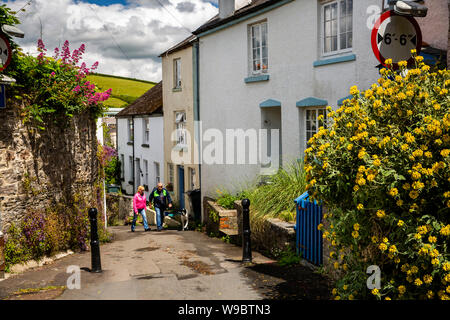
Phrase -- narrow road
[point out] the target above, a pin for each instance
(168, 265)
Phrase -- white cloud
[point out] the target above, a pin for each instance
(126, 40)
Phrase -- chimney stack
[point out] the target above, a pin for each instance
(226, 8)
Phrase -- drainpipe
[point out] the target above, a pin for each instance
(197, 133)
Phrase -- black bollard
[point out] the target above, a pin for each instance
(246, 243)
(95, 244)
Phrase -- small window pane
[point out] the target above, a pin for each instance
(350, 40)
(334, 44)
(334, 11)
(327, 13)
(343, 38)
(349, 23)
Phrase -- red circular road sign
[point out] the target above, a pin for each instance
(5, 52)
(394, 36)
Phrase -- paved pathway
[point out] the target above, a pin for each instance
(150, 265)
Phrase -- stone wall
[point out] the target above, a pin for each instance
(41, 168)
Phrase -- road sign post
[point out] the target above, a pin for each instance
(394, 36)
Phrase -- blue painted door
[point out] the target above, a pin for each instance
(181, 185)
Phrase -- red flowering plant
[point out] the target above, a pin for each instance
(55, 88)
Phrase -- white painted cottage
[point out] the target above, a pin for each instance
(277, 64)
(140, 140)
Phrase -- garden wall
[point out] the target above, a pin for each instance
(40, 169)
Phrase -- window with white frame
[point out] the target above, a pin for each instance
(130, 130)
(122, 166)
(177, 73)
(157, 173)
(146, 130)
(146, 172)
(259, 48)
(180, 122)
(337, 26)
(313, 123)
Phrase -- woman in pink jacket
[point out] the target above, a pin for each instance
(139, 205)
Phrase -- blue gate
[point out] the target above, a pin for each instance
(309, 239)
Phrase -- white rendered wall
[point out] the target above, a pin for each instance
(226, 101)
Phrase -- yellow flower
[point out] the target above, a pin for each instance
(430, 294)
(413, 195)
(387, 298)
(382, 247)
(374, 239)
(393, 192)
(336, 265)
(445, 153)
(356, 226)
(351, 297)
(388, 62)
(377, 162)
(381, 214)
(427, 279)
(418, 282)
(402, 64)
(432, 239)
(404, 147)
(406, 186)
(445, 231)
(400, 203)
(354, 90)
(401, 289)
(360, 206)
(400, 223)
(375, 291)
(334, 291)
(434, 261)
(350, 147)
(320, 226)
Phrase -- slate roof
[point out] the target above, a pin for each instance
(216, 21)
(149, 103)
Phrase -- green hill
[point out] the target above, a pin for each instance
(124, 90)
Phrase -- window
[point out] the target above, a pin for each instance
(337, 32)
(312, 122)
(258, 44)
(146, 129)
(171, 173)
(146, 172)
(131, 168)
(157, 173)
(192, 178)
(130, 130)
(180, 121)
(122, 166)
(177, 73)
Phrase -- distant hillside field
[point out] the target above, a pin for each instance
(124, 90)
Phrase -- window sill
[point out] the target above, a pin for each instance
(327, 61)
(130, 143)
(145, 145)
(176, 90)
(259, 78)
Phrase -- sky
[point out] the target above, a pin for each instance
(124, 36)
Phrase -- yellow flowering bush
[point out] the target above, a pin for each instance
(387, 185)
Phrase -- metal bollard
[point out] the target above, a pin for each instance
(2, 256)
(95, 244)
(246, 243)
